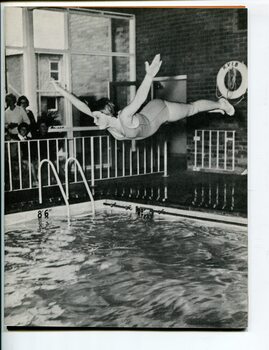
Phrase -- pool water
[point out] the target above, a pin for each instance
(118, 270)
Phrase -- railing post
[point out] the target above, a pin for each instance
(217, 161)
(9, 166)
(131, 161)
(75, 156)
(225, 150)
(57, 156)
(203, 148)
(20, 172)
(92, 161)
(151, 157)
(48, 156)
(116, 158)
(233, 160)
(145, 160)
(123, 158)
(158, 158)
(195, 150)
(108, 157)
(83, 153)
(137, 159)
(165, 158)
(100, 156)
(29, 164)
(210, 149)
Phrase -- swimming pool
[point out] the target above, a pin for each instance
(122, 270)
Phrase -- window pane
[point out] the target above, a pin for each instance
(44, 74)
(14, 74)
(54, 76)
(13, 24)
(54, 65)
(90, 75)
(121, 69)
(48, 29)
(52, 109)
(51, 102)
(89, 33)
(120, 35)
(121, 95)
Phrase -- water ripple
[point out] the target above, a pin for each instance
(128, 273)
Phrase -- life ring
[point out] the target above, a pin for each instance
(231, 68)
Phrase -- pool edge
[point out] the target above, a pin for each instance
(85, 208)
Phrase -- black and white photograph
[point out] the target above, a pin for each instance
(125, 167)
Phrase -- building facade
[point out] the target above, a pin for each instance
(95, 47)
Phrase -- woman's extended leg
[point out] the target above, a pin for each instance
(179, 111)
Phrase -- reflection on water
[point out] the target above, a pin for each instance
(120, 271)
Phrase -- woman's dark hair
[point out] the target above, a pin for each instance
(23, 98)
(105, 103)
(10, 97)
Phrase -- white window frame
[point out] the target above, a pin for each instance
(56, 104)
(55, 71)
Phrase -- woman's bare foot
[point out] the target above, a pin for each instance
(226, 106)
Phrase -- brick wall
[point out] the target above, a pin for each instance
(196, 42)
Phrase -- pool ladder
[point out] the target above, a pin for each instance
(65, 193)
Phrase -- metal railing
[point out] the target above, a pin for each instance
(50, 164)
(214, 150)
(101, 157)
(72, 159)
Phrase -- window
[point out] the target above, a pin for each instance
(54, 70)
(46, 25)
(101, 51)
(52, 103)
(83, 49)
(49, 104)
(14, 51)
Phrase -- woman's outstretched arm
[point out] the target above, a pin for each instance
(143, 90)
(73, 99)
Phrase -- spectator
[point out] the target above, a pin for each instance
(42, 129)
(27, 160)
(49, 148)
(14, 115)
(23, 131)
(42, 133)
(7, 134)
(24, 103)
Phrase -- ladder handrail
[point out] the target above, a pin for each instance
(83, 178)
(58, 182)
